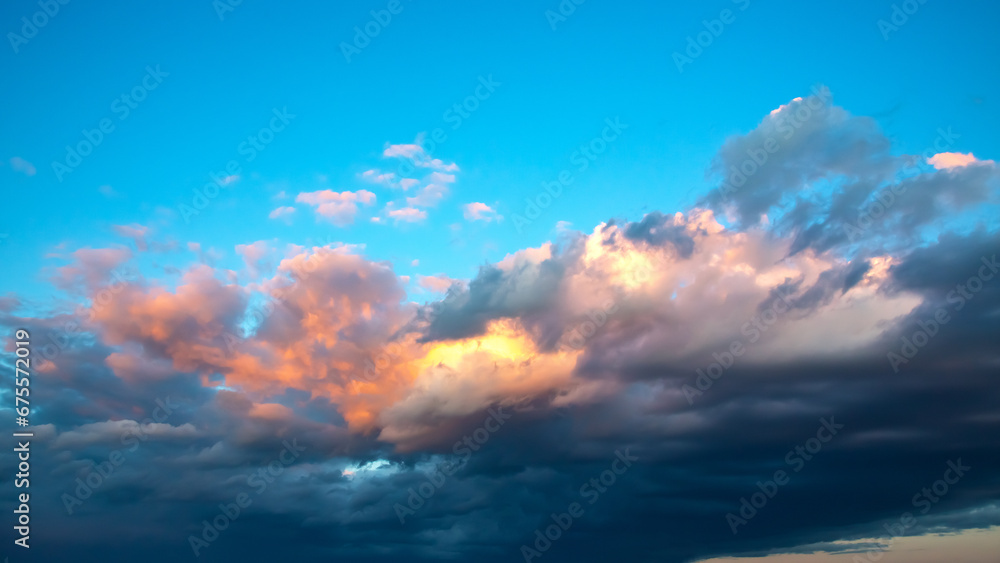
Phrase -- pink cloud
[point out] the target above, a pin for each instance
(254, 256)
(338, 207)
(408, 214)
(950, 160)
(438, 284)
(92, 268)
(135, 232)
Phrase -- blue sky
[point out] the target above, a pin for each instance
(556, 89)
(289, 230)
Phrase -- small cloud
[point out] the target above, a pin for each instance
(950, 160)
(416, 154)
(415, 263)
(437, 284)
(429, 196)
(107, 191)
(280, 195)
(23, 166)
(442, 178)
(477, 211)
(338, 207)
(136, 232)
(378, 177)
(230, 180)
(408, 214)
(407, 183)
(255, 257)
(283, 212)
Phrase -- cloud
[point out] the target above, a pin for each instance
(135, 232)
(707, 343)
(407, 214)
(282, 212)
(378, 177)
(437, 284)
(819, 174)
(950, 160)
(480, 212)
(91, 268)
(416, 154)
(339, 208)
(429, 196)
(255, 257)
(23, 166)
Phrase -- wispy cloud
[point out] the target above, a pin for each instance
(477, 211)
(284, 212)
(23, 166)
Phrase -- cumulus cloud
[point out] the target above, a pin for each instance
(340, 208)
(949, 160)
(407, 214)
(602, 342)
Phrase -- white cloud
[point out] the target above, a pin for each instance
(283, 212)
(477, 211)
(21, 165)
(408, 214)
(338, 207)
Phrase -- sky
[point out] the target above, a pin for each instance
(665, 242)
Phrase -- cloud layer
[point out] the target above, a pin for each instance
(707, 344)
